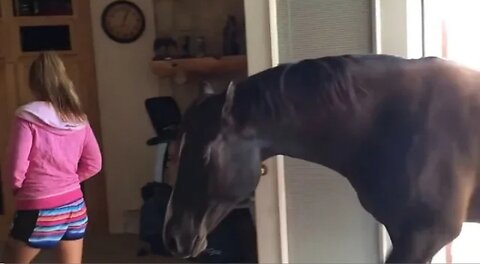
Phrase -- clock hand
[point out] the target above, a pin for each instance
(125, 18)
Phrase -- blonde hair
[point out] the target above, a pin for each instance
(49, 82)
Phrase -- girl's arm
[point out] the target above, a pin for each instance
(18, 153)
(91, 160)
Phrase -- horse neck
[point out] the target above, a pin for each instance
(295, 124)
(279, 131)
(296, 140)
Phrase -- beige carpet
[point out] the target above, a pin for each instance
(110, 249)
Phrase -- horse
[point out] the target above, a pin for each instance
(404, 132)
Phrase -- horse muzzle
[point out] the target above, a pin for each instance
(184, 245)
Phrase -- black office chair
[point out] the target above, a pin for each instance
(165, 117)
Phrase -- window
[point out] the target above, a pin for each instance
(451, 32)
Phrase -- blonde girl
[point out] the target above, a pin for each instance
(52, 150)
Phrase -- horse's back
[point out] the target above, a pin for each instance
(425, 112)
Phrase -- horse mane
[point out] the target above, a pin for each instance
(327, 82)
(288, 89)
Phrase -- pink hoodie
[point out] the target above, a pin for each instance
(47, 158)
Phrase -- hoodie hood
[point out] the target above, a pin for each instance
(44, 114)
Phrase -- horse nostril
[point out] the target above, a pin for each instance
(172, 245)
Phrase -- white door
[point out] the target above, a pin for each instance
(306, 212)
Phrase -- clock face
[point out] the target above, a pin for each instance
(123, 21)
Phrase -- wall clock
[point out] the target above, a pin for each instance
(123, 21)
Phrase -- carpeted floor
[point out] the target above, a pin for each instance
(109, 249)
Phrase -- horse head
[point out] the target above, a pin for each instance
(219, 167)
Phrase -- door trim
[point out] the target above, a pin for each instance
(279, 160)
(270, 202)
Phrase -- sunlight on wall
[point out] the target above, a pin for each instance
(461, 20)
(464, 249)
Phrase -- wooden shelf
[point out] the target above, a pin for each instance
(202, 66)
(34, 54)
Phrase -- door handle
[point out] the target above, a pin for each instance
(263, 170)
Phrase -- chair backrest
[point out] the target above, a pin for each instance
(163, 112)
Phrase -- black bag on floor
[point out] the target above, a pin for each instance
(155, 199)
(234, 240)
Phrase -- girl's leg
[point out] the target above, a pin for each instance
(19, 252)
(70, 251)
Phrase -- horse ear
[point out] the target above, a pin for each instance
(227, 106)
(207, 88)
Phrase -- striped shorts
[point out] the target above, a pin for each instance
(46, 228)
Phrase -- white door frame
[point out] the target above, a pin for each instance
(270, 203)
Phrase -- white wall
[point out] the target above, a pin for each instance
(124, 82)
(400, 29)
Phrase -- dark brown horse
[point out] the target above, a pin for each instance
(405, 133)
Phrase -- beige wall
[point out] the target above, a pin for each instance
(124, 82)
